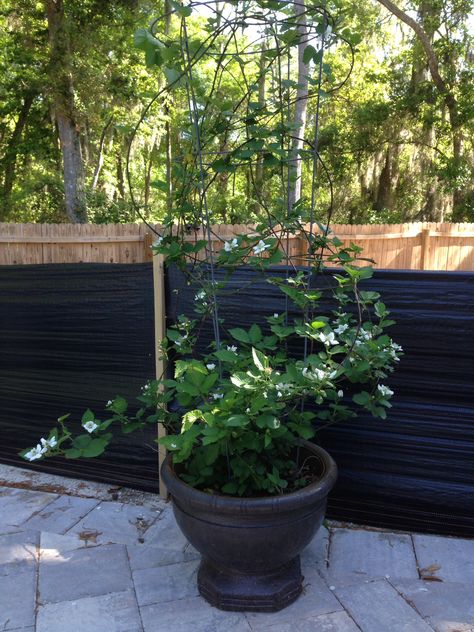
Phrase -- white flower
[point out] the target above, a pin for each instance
(90, 426)
(109, 403)
(320, 374)
(328, 339)
(217, 395)
(230, 245)
(396, 347)
(260, 247)
(158, 241)
(247, 410)
(340, 329)
(200, 296)
(340, 393)
(35, 453)
(49, 443)
(173, 445)
(179, 342)
(365, 335)
(384, 390)
(305, 371)
(232, 348)
(276, 315)
(282, 388)
(211, 366)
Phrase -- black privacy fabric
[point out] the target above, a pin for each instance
(415, 470)
(72, 337)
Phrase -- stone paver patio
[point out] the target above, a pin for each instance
(75, 559)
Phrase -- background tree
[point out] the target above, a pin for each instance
(396, 137)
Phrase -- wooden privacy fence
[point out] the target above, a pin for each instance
(415, 246)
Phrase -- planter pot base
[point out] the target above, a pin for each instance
(266, 592)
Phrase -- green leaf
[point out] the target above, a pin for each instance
(260, 359)
(140, 38)
(362, 398)
(237, 421)
(230, 488)
(240, 334)
(190, 418)
(308, 54)
(162, 185)
(95, 447)
(255, 334)
(72, 453)
(226, 356)
(318, 324)
(87, 416)
(119, 405)
(172, 75)
(267, 421)
(82, 441)
(180, 10)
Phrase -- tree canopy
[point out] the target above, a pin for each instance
(395, 121)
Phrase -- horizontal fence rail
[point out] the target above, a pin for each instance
(414, 246)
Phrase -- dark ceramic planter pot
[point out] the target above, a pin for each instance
(250, 546)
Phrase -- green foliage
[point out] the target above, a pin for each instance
(388, 112)
(245, 404)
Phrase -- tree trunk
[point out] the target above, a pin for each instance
(100, 156)
(11, 152)
(120, 175)
(295, 164)
(384, 189)
(62, 91)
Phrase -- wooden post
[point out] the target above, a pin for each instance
(147, 244)
(160, 330)
(425, 249)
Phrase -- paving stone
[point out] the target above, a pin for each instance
(333, 622)
(17, 596)
(85, 572)
(52, 544)
(376, 606)
(166, 583)
(316, 553)
(188, 615)
(449, 559)
(32, 479)
(164, 544)
(316, 599)
(19, 548)
(17, 505)
(142, 556)
(118, 523)
(165, 532)
(356, 555)
(117, 612)
(60, 515)
(448, 607)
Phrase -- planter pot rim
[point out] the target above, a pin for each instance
(314, 492)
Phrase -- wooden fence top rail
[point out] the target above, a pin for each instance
(417, 245)
(111, 239)
(66, 239)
